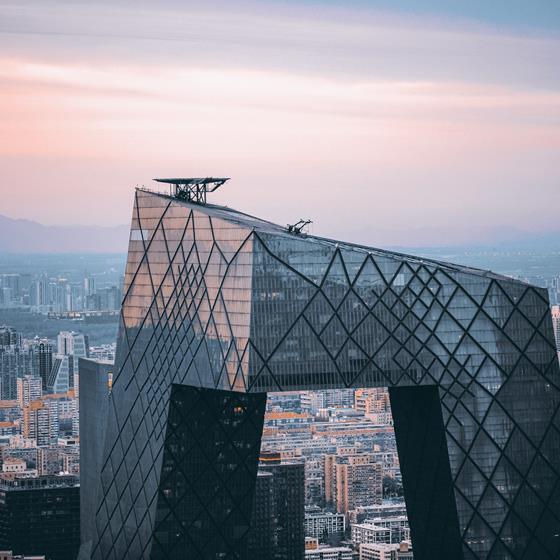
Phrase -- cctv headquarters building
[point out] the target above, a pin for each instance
(221, 307)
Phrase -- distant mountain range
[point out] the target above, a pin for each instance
(500, 238)
(26, 236)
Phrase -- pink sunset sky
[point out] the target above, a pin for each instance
(361, 118)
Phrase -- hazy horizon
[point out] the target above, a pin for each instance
(28, 236)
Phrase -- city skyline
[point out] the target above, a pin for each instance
(325, 105)
(312, 431)
(349, 350)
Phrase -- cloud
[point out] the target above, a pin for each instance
(366, 121)
(140, 107)
(268, 36)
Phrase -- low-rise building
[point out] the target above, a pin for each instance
(17, 466)
(13, 465)
(9, 555)
(370, 533)
(384, 551)
(329, 553)
(324, 523)
(385, 509)
(398, 524)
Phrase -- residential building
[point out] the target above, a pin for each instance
(556, 324)
(15, 362)
(329, 553)
(388, 508)
(41, 421)
(9, 555)
(314, 480)
(383, 551)
(397, 524)
(9, 336)
(261, 541)
(370, 533)
(13, 465)
(42, 352)
(374, 403)
(288, 489)
(29, 388)
(323, 524)
(354, 480)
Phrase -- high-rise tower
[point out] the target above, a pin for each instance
(221, 307)
(556, 324)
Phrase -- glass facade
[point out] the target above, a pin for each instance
(40, 516)
(208, 474)
(216, 299)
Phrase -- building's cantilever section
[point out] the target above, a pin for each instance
(219, 300)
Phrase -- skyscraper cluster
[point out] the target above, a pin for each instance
(39, 446)
(44, 293)
(19, 357)
(56, 365)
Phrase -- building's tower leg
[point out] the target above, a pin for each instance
(208, 474)
(426, 473)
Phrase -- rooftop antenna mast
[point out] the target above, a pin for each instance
(298, 227)
(193, 189)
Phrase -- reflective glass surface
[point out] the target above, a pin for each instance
(217, 299)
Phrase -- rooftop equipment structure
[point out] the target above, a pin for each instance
(299, 227)
(193, 189)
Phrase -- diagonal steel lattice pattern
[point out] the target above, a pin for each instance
(216, 299)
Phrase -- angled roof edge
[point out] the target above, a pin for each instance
(264, 226)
